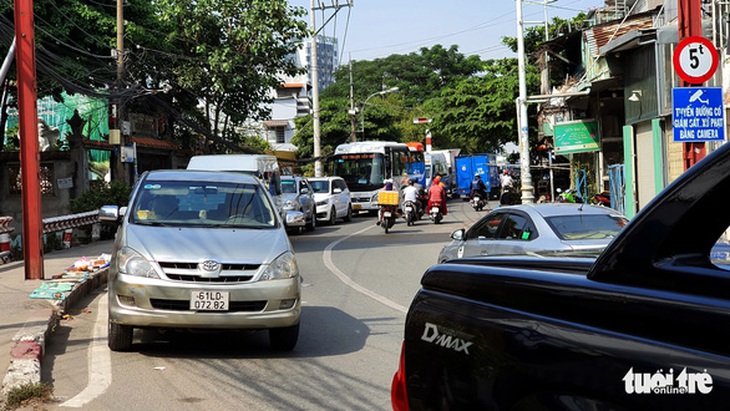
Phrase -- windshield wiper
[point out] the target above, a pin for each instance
(153, 223)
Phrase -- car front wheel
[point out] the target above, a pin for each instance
(120, 337)
(333, 216)
(312, 224)
(284, 339)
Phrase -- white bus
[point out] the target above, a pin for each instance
(365, 165)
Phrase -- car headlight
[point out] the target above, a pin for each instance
(284, 266)
(374, 198)
(321, 203)
(291, 205)
(131, 262)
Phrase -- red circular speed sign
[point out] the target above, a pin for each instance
(695, 59)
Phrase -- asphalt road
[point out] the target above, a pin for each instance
(358, 284)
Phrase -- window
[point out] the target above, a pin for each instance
(180, 203)
(47, 178)
(288, 186)
(487, 227)
(320, 186)
(517, 227)
(584, 227)
(280, 135)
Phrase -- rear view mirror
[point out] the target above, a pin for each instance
(336, 190)
(457, 235)
(207, 190)
(109, 213)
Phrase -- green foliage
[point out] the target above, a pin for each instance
(39, 392)
(114, 193)
(228, 54)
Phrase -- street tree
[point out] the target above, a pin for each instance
(75, 40)
(229, 55)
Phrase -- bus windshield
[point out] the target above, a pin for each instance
(362, 172)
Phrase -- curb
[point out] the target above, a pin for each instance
(30, 342)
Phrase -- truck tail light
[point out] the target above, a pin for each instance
(398, 394)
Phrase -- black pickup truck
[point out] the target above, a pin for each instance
(644, 326)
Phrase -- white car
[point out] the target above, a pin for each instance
(332, 198)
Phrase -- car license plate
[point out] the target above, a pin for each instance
(356, 206)
(409, 209)
(386, 214)
(209, 300)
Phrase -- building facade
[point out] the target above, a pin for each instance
(623, 77)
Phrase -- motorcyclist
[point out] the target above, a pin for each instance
(388, 186)
(506, 181)
(410, 193)
(478, 187)
(437, 193)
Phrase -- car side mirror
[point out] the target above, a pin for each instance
(336, 190)
(110, 213)
(304, 190)
(458, 235)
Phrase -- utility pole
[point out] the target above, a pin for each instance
(29, 150)
(314, 70)
(522, 122)
(352, 112)
(118, 109)
(313, 67)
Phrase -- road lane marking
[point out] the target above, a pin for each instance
(100, 362)
(327, 257)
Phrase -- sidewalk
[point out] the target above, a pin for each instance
(27, 322)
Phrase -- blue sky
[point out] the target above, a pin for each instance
(379, 28)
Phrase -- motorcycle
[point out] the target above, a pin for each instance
(410, 212)
(388, 214)
(435, 213)
(477, 203)
(602, 199)
(509, 196)
(569, 196)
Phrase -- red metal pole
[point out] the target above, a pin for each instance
(689, 22)
(29, 154)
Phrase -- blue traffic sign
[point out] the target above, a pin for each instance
(698, 114)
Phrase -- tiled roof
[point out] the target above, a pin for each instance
(597, 36)
(155, 143)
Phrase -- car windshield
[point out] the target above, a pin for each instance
(209, 204)
(289, 186)
(320, 186)
(587, 226)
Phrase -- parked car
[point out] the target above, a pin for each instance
(201, 250)
(297, 195)
(542, 229)
(332, 198)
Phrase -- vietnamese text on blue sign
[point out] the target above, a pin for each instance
(698, 114)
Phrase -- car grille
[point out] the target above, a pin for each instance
(361, 200)
(184, 305)
(230, 272)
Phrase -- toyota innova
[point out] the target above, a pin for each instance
(201, 250)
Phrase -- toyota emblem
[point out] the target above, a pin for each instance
(210, 265)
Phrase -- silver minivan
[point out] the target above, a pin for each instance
(201, 250)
